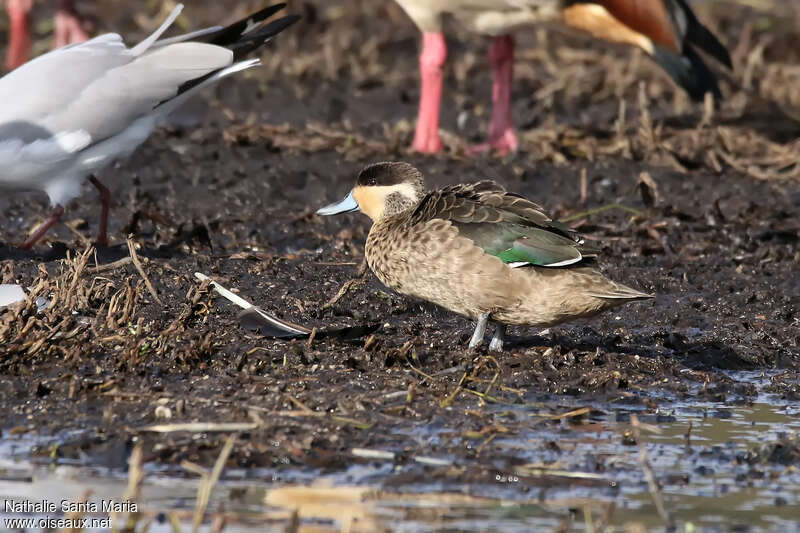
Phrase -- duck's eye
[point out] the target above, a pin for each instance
(372, 182)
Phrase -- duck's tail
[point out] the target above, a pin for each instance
(616, 291)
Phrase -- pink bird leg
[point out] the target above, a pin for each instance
(68, 25)
(501, 130)
(19, 44)
(431, 61)
(58, 211)
(68, 29)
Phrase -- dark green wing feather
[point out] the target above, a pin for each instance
(503, 224)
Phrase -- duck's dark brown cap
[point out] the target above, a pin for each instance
(388, 173)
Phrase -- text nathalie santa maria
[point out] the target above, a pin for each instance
(68, 506)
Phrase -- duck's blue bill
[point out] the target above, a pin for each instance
(348, 205)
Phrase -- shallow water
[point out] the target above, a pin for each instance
(567, 472)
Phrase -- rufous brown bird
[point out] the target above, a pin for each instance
(667, 30)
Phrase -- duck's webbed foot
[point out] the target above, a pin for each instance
(496, 344)
(480, 331)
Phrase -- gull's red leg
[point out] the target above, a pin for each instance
(55, 216)
(105, 201)
(431, 61)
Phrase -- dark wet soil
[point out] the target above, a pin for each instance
(229, 188)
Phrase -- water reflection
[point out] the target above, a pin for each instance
(712, 459)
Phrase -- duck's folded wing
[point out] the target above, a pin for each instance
(485, 201)
(505, 225)
(523, 245)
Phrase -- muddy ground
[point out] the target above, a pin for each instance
(229, 187)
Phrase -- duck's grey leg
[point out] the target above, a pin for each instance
(496, 345)
(480, 330)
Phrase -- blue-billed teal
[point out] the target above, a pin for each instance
(477, 250)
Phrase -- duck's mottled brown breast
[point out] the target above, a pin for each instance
(432, 261)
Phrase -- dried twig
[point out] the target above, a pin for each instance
(78, 266)
(653, 233)
(138, 265)
(648, 188)
(575, 412)
(111, 266)
(584, 187)
(204, 492)
(602, 209)
(348, 285)
(310, 340)
(542, 471)
(652, 483)
(366, 453)
(132, 491)
(200, 427)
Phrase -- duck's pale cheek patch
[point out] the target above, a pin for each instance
(371, 203)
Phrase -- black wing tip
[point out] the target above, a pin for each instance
(727, 61)
(281, 24)
(269, 10)
(254, 40)
(260, 15)
(703, 38)
(264, 14)
(270, 30)
(688, 71)
(235, 33)
(706, 41)
(720, 52)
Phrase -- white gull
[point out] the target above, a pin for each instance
(71, 112)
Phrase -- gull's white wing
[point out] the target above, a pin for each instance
(128, 92)
(54, 80)
(101, 86)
